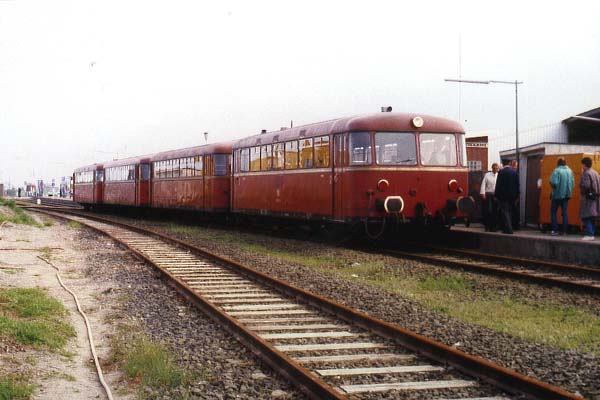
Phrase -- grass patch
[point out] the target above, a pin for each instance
(74, 224)
(146, 363)
(19, 217)
(454, 295)
(30, 317)
(15, 387)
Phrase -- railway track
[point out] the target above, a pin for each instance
(538, 271)
(326, 349)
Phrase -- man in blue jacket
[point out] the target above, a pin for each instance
(562, 182)
(507, 192)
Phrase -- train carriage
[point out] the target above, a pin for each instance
(196, 178)
(88, 185)
(378, 167)
(127, 182)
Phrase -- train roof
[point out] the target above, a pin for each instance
(91, 167)
(216, 148)
(128, 161)
(383, 122)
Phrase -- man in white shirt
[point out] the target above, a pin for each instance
(489, 204)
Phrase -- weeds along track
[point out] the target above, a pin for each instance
(536, 271)
(327, 350)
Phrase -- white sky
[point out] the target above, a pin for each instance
(88, 81)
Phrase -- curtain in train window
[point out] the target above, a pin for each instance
(291, 154)
(322, 151)
(306, 153)
(360, 148)
(130, 172)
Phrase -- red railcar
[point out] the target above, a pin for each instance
(88, 185)
(196, 178)
(127, 182)
(374, 167)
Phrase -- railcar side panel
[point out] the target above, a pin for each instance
(120, 193)
(185, 193)
(304, 193)
(217, 193)
(84, 193)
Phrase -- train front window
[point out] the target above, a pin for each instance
(395, 148)
(463, 150)
(360, 148)
(438, 149)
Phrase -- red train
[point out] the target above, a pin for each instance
(374, 168)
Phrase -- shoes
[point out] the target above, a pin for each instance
(554, 233)
(588, 238)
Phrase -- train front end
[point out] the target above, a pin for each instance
(406, 168)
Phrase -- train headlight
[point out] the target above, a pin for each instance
(417, 122)
(453, 185)
(383, 185)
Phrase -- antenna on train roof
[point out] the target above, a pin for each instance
(386, 109)
(205, 137)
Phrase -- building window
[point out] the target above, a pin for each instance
(474, 165)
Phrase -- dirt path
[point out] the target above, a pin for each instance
(70, 373)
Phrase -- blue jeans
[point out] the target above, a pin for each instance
(588, 225)
(562, 203)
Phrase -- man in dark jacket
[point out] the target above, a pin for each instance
(589, 207)
(507, 192)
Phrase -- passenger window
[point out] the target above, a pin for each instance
(278, 159)
(291, 154)
(306, 153)
(255, 158)
(322, 151)
(360, 148)
(198, 165)
(266, 157)
(245, 160)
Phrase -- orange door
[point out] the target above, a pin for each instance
(143, 185)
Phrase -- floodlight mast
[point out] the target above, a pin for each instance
(516, 83)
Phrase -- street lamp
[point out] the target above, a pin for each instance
(516, 83)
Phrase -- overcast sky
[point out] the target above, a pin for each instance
(87, 81)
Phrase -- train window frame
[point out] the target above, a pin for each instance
(368, 152)
(306, 161)
(291, 162)
(401, 159)
(324, 161)
(438, 162)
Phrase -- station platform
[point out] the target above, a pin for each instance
(528, 243)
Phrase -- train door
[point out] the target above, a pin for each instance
(532, 190)
(98, 186)
(339, 157)
(142, 195)
(208, 182)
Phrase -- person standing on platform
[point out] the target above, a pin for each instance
(589, 206)
(562, 182)
(489, 202)
(507, 192)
